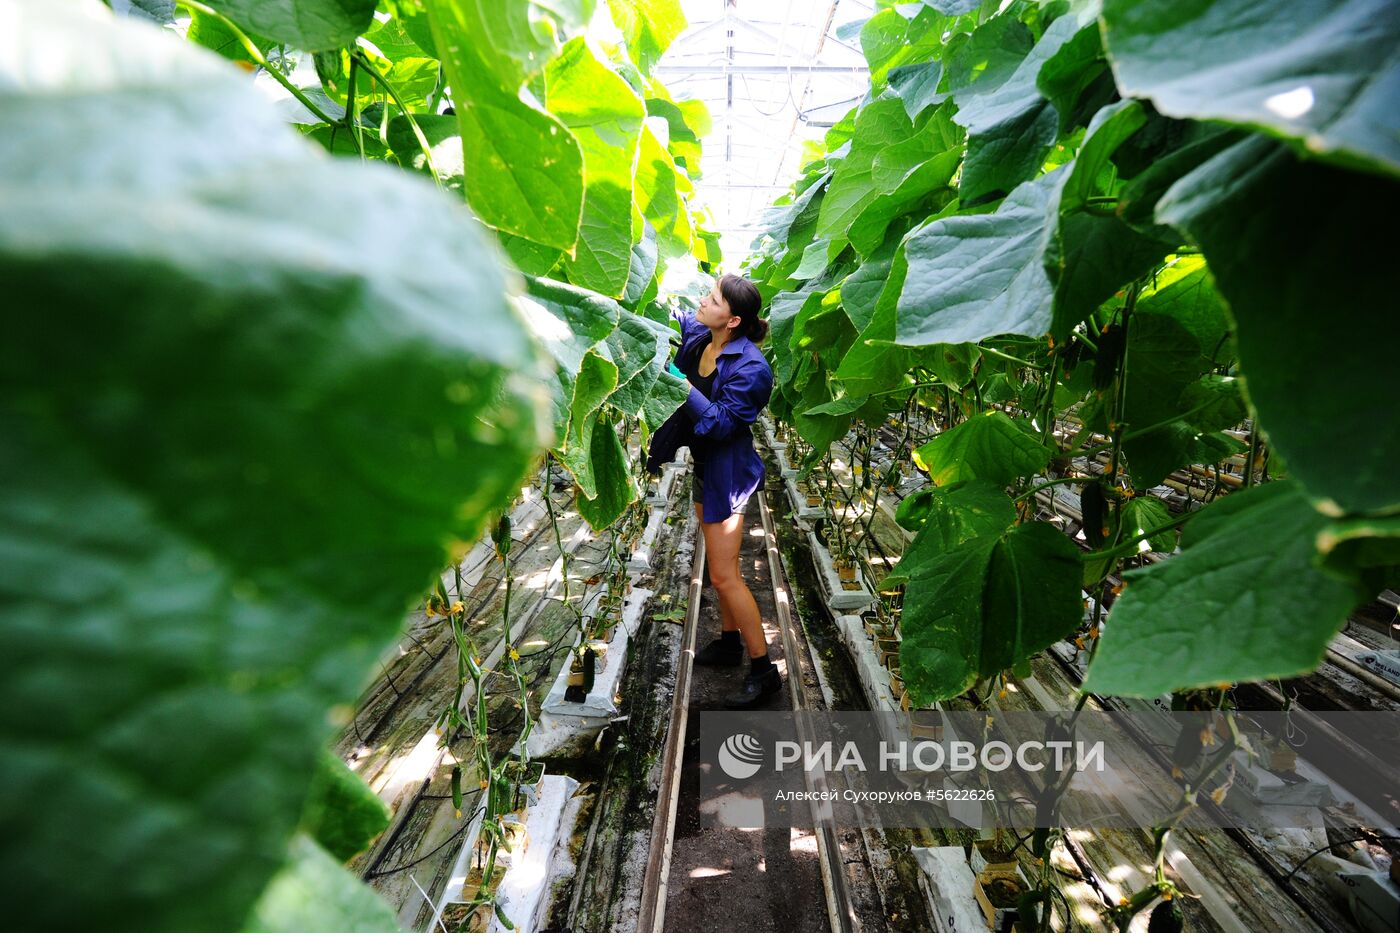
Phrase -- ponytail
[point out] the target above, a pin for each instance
(744, 303)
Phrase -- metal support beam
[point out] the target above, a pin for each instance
(682, 70)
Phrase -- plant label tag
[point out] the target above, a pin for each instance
(1384, 663)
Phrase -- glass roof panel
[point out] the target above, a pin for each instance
(774, 74)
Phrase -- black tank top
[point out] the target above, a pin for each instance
(706, 385)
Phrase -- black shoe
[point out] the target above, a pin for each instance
(719, 653)
(757, 688)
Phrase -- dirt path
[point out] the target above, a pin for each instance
(728, 878)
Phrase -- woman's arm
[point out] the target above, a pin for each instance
(738, 403)
(685, 318)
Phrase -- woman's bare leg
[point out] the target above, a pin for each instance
(738, 610)
(726, 621)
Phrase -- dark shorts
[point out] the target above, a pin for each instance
(697, 494)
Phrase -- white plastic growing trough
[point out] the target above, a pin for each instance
(836, 596)
(524, 890)
(566, 727)
(803, 511)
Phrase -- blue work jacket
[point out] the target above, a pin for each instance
(733, 470)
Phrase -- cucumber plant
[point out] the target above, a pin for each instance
(1075, 215)
(1088, 246)
(297, 367)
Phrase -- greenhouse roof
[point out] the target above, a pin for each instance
(775, 74)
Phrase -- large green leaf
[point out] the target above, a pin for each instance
(613, 476)
(1324, 74)
(660, 191)
(883, 130)
(1144, 514)
(979, 276)
(1090, 256)
(782, 318)
(1156, 158)
(160, 12)
(216, 35)
(642, 283)
(668, 394)
(311, 25)
(648, 27)
(987, 446)
(1368, 547)
(951, 363)
(816, 257)
(1075, 77)
(393, 36)
(954, 7)
(981, 62)
(923, 179)
(896, 36)
(1041, 262)
(780, 219)
(523, 168)
(1214, 402)
(1010, 126)
(313, 894)
(861, 289)
(873, 364)
(1184, 291)
(528, 256)
(688, 126)
(568, 320)
(917, 86)
(823, 329)
(818, 430)
(573, 324)
(945, 517)
(985, 605)
(596, 380)
(515, 38)
(342, 812)
(213, 526)
(1243, 601)
(1154, 455)
(1311, 297)
(640, 348)
(1163, 359)
(412, 16)
(606, 117)
(444, 136)
(846, 405)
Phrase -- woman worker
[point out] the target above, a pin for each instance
(730, 384)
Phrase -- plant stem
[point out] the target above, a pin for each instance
(1253, 454)
(1048, 415)
(1121, 399)
(1054, 482)
(436, 94)
(357, 55)
(1136, 433)
(906, 388)
(1129, 547)
(992, 351)
(261, 59)
(352, 118)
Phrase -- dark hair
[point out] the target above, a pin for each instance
(744, 303)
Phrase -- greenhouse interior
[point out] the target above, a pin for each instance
(571, 466)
